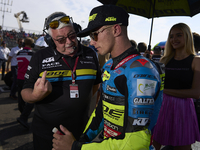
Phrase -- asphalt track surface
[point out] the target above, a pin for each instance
(13, 136)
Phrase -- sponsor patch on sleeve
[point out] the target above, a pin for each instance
(146, 87)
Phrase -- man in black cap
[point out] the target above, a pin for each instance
(130, 87)
(60, 81)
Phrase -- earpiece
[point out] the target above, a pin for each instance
(77, 27)
(48, 39)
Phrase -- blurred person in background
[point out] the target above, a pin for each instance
(4, 52)
(13, 59)
(157, 54)
(23, 59)
(142, 47)
(133, 43)
(196, 38)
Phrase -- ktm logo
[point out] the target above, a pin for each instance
(47, 60)
(140, 121)
(111, 19)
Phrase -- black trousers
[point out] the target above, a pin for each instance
(24, 108)
(2, 66)
(13, 89)
(40, 143)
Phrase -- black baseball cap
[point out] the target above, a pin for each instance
(105, 15)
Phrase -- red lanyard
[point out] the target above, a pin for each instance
(74, 69)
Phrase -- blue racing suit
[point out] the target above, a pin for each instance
(131, 85)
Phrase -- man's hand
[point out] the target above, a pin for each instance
(63, 142)
(42, 87)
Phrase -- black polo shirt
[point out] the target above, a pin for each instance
(58, 108)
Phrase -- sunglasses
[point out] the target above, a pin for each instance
(54, 24)
(62, 40)
(94, 35)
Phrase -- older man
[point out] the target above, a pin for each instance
(60, 80)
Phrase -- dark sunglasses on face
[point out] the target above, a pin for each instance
(62, 40)
(94, 35)
(54, 24)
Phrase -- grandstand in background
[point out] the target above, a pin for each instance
(11, 34)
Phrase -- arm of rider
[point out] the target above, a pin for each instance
(42, 88)
(63, 142)
(194, 92)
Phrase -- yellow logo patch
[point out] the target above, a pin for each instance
(111, 19)
(106, 76)
(114, 113)
(162, 77)
(92, 17)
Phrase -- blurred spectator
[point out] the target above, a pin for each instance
(40, 43)
(13, 59)
(10, 37)
(142, 47)
(148, 54)
(133, 43)
(86, 42)
(4, 52)
(196, 38)
(23, 59)
(157, 54)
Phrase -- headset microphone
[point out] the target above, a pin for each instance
(74, 47)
